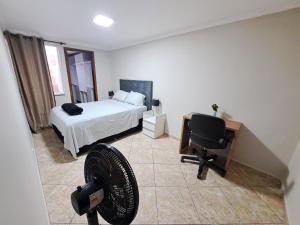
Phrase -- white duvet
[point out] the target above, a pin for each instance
(98, 120)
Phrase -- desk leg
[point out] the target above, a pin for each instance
(184, 140)
(230, 154)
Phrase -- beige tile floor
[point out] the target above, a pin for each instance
(169, 191)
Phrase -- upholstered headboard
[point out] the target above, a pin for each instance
(142, 86)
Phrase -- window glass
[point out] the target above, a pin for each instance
(54, 67)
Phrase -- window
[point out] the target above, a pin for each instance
(54, 67)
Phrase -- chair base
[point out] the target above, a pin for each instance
(205, 162)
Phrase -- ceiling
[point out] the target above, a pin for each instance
(136, 21)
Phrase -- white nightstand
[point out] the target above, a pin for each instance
(153, 125)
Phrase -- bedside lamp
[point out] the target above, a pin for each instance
(111, 94)
(155, 104)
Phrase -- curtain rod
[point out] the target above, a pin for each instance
(56, 42)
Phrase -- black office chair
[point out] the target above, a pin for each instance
(207, 132)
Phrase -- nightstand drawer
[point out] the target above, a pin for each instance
(153, 124)
(149, 133)
(148, 125)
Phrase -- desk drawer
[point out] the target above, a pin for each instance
(148, 125)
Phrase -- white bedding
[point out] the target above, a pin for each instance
(98, 120)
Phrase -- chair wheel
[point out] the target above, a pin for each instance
(200, 177)
(182, 160)
(223, 173)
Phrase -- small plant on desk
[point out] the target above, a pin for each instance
(215, 108)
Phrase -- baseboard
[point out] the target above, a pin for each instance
(260, 170)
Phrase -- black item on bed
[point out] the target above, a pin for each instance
(72, 109)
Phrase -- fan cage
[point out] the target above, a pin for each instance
(121, 197)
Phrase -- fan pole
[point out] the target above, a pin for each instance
(92, 218)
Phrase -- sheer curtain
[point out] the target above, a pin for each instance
(32, 72)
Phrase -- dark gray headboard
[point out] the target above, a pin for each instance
(142, 86)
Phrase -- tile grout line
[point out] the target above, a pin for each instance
(72, 218)
(154, 185)
(230, 203)
(130, 150)
(187, 186)
(263, 200)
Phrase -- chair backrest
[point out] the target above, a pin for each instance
(207, 131)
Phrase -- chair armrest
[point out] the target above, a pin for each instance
(227, 138)
(229, 135)
(189, 128)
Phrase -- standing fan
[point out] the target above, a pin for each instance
(111, 188)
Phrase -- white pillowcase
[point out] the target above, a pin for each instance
(135, 98)
(120, 95)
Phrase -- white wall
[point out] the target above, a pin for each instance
(103, 75)
(21, 196)
(250, 69)
(292, 189)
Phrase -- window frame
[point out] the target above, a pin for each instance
(62, 93)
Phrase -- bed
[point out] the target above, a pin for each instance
(101, 119)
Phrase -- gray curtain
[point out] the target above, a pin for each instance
(33, 76)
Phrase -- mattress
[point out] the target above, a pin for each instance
(98, 120)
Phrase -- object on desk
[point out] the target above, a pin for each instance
(153, 124)
(215, 109)
(111, 94)
(207, 132)
(155, 104)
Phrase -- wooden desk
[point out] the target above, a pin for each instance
(184, 140)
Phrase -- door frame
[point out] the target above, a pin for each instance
(66, 49)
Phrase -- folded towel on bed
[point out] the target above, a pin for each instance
(72, 109)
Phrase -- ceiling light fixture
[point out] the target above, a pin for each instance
(103, 21)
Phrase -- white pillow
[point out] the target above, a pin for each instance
(120, 95)
(135, 98)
